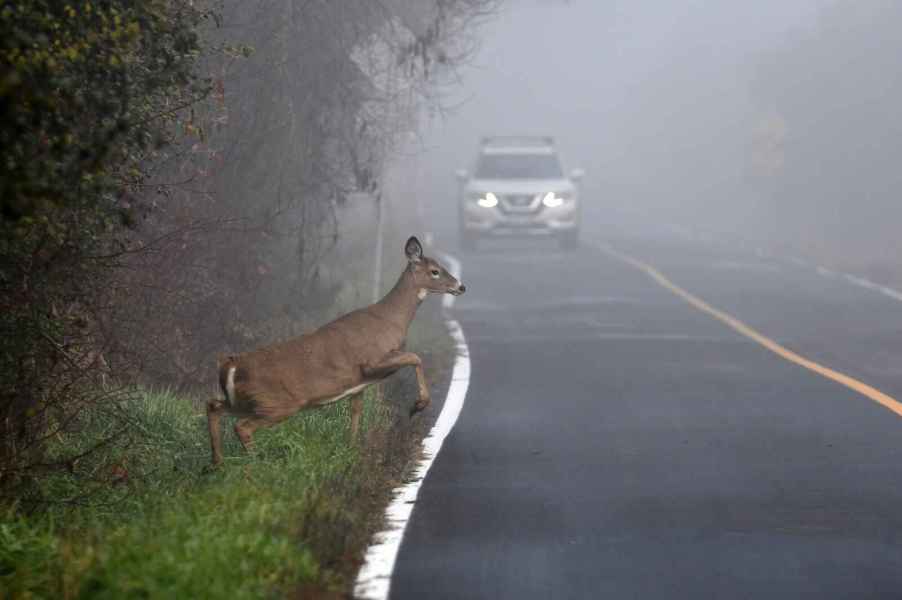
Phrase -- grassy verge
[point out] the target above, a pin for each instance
(292, 519)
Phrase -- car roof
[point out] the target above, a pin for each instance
(517, 140)
(517, 144)
(542, 150)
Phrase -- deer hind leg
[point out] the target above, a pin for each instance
(215, 410)
(356, 411)
(246, 427)
(393, 362)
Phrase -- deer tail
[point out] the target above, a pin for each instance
(227, 368)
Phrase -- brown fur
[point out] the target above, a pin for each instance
(359, 349)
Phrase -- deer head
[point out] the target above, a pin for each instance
(429, 276)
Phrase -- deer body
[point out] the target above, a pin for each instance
(276, 379)
(336, 361)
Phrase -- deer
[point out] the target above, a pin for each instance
(336, 361)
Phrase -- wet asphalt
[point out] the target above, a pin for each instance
(618, 443)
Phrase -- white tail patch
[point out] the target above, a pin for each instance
(230, 385)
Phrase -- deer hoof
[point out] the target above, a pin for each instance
(420, 406)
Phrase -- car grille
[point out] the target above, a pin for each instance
(520, 203)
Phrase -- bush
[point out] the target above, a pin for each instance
(89, 92)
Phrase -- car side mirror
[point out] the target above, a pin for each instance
(461, 175)
(577, 174)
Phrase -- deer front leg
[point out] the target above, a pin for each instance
(396, 360)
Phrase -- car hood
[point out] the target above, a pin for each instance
(519, 186)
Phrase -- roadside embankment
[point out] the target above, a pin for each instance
(293, 518)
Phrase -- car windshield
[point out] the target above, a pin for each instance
(518, 166)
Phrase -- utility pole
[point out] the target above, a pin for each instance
(380, 233)
(377, 271)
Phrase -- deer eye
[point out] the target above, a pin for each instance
(435, 273)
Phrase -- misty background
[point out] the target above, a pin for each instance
(773, 122)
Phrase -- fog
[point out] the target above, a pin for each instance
(773, 121)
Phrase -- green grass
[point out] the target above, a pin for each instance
(157, 524)
(144, 517)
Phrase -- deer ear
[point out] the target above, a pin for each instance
(413, 249)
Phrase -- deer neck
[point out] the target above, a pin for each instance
(401, 303)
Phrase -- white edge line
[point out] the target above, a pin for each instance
(821, 270)
(374, 578)
(861, 282)
(886, 291)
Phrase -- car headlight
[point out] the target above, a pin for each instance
(489, 200)
(553, 200)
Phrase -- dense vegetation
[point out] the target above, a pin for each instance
(172, 179)
(89, 94)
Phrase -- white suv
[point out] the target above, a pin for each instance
(518, 188)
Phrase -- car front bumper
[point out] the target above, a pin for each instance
(478, 220)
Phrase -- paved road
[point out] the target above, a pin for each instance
(618, 443)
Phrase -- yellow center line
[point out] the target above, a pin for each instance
(864, 389)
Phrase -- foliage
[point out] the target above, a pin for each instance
(89, 92)
(84, 89)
